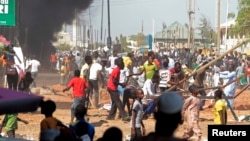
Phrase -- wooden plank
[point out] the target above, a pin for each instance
(210, 97)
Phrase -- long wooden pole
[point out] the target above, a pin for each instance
(242, 90)
(211, 62)
(223, 86)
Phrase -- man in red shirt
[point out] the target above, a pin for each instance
(79, 85)
(112, 86)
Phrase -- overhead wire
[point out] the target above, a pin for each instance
(122, 2)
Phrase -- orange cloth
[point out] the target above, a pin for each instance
(49, 123)
(3, 61)
(157, 63)
(53, 58)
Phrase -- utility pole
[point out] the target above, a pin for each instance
(191, 17)
(109, 41)
(102, 22)
(226, 25)
(218, 26)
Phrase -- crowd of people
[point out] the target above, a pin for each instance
(153, 82)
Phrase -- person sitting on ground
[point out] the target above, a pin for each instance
(168, 117)
(80, 112)
(49, 122)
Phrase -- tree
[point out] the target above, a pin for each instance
(124, 43)
(243, 18)
(117, 40)
(231, 15)
(133, 37)
(205, 28)
(140, 39)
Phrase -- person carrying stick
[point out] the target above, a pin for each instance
(198, 82)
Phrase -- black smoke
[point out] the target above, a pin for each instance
(39, 20)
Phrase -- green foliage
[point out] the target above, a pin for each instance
(133, 37)
(140, 39)
(117, 41)
(205, 28)
(64, 47)
(231, 15)
(243, 18)
(124, 43)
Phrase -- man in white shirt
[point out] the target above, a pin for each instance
(94, 76)
(112, 59)
(165, 75)
(123, 78)
(34, 66)
(78, 60)
(85, 68)
(199, 57)
(149, 87)
(170, 63)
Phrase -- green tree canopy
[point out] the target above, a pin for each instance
(205, 27)
(124, 43)
(243, 18)
(140, 38)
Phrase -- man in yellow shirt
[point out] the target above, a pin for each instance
(220, 109)
(128, 60)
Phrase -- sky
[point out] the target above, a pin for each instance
(127, 16)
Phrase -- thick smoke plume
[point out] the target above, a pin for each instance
(41, 19)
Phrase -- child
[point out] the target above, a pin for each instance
(80, 112)
(49, 122)
(10, 124)
(137, 114)
(191, 109)
(79, 85)
(220, 108)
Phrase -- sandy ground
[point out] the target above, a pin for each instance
(98, 117)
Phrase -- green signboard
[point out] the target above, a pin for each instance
(7, 13)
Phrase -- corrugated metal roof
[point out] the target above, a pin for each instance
(176, 30)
